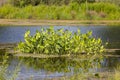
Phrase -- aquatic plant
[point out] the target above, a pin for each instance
(5, 74)
(60, 41)
(3, 68)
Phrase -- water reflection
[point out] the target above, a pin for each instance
(111, 62)
(57, 67)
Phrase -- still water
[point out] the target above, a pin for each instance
(51, 68)
(109, 34)
(43, 69)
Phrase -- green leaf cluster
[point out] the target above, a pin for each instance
(60, 42)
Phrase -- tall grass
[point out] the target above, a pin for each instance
(72, 11)
(116, 75)
(4, 69)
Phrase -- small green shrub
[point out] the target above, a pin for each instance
(52, 41)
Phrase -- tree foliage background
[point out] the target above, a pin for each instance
(47, 2)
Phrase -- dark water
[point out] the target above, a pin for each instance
(41, 69)
(109, 34)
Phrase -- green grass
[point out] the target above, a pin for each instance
(72, 11)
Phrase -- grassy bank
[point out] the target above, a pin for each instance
(73, 11)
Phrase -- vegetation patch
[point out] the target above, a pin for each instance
(71, 11)
(50, 41)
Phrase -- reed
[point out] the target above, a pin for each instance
(4, 69)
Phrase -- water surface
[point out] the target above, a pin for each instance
(109, 34)
(50, 68)
(41, 69)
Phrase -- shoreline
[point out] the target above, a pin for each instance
(9, 48)
(32, 22)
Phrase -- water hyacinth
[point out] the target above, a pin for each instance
(60, 42)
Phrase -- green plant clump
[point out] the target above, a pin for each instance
(60, 42)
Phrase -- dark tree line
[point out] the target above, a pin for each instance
(46, 2)
(23, 3)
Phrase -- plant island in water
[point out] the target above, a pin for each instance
(60, 42)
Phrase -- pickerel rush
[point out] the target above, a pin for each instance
(60, 42)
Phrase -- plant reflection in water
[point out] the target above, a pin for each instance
(61, 64)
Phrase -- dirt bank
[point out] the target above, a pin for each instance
(27, 22)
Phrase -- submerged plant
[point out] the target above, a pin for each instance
(60, 41)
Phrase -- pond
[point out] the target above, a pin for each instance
(13, 34)
(52, 68)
